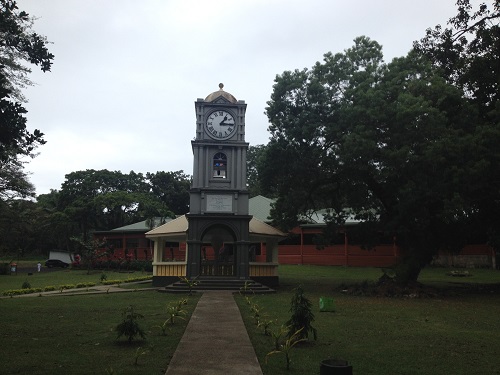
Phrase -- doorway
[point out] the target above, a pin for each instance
(218, 256)
(217, 263)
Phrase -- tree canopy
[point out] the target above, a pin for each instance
(103, 200)
(403, 144)
(254, 159)
(468, 52)
(19, 44)
(88, 201)
(467, 55)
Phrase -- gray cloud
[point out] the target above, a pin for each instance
(126, 73)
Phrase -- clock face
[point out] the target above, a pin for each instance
(220, 124)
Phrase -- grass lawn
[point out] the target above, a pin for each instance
(75, 334)
(61, 277)
(452, 335)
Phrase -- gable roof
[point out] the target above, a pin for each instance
(141, 226)
(176, 230)
(260, 208)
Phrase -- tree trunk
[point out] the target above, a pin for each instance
(408, 270)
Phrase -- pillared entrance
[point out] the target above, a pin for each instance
(218, 257)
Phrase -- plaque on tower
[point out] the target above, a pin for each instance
(219, 203)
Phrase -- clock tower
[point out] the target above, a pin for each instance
(218, 235)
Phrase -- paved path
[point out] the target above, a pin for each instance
(215, 341)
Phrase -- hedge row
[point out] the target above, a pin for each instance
(51, 288)
(129, 280)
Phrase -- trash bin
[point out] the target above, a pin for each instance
(13, 268)
(326, 304)
(335, 367)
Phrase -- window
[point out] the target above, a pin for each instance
(132, 243)
(220, 165)
(114, 243)
(292, 239)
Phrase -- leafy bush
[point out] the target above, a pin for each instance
(18, 292)
(129, 327)
(287, 346)
(129, 280)
(85, 285)
(266, 323)
(67, 286)
(26, 285)
(175, 312)
(28, 290)
(190, 283)
(302, 316)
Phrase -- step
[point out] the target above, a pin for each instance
(205, 284)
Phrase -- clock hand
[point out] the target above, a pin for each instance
(223, 122)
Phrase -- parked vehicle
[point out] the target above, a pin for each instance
(56, 263)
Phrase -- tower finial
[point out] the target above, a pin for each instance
(221, 86)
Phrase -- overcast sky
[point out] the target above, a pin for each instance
(126, 73)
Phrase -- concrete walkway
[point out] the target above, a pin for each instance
(215, 341)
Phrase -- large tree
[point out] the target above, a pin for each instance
(87, 201)
(467, 54)
(14, 182)
(386, 141)
(254, 158)
(103, 200)
(172, 188)
(19, 44)
(58, 227)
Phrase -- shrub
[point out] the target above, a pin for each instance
(26, 285)
(190, 283)
(287, 346)
(67, 286)
(266, 323)
(85, 285)
(129, 327)
(129, 280)
(175, 311)
(302, 316)
(164, 327)
(277, 334)
(17, 292)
